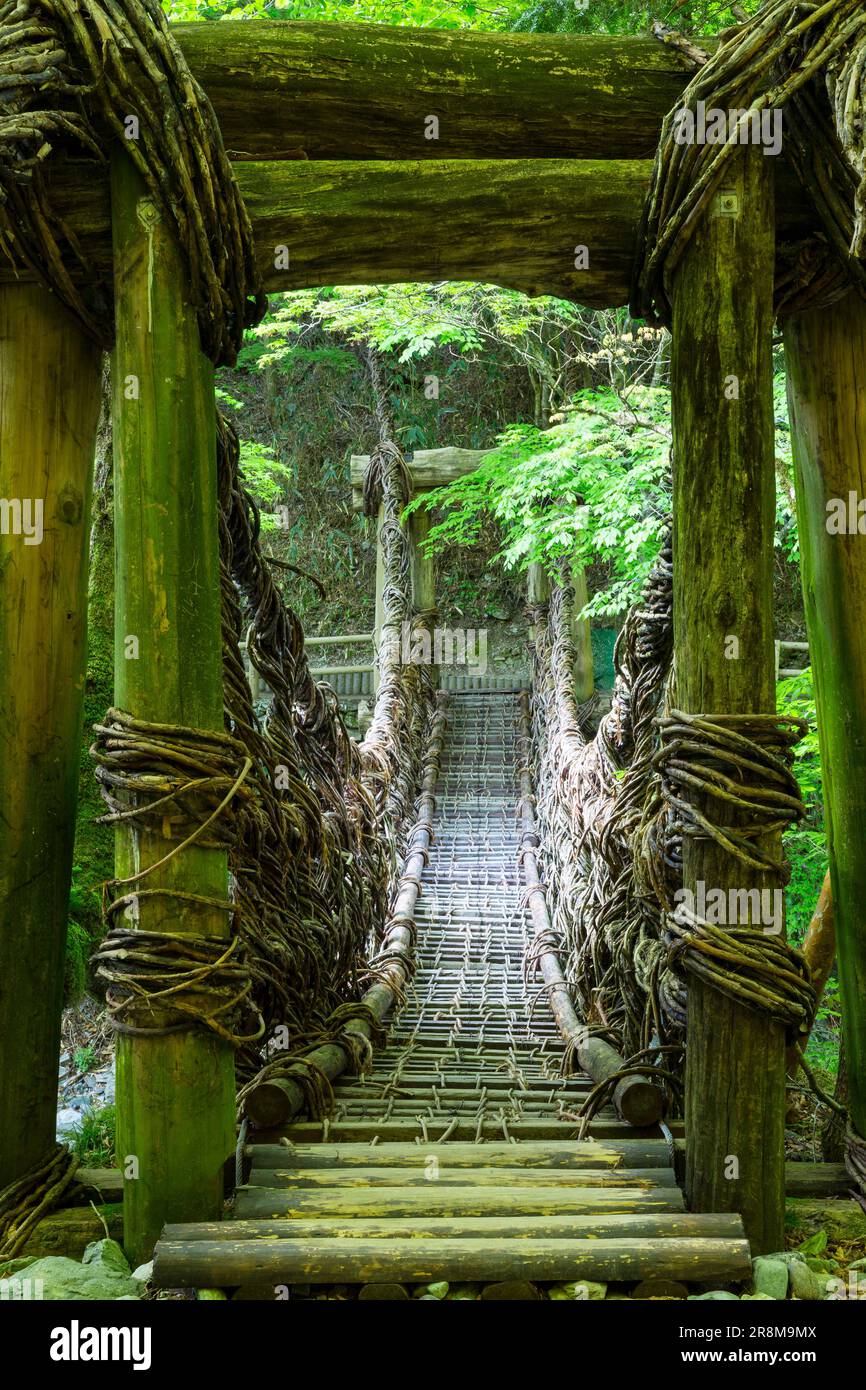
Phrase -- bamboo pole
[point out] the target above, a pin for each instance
(723, 554)
(826, 355)
(49, 405)
(175, 1094)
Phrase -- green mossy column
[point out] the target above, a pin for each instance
(49, 406)
(584, 671)
(826, 354)
(723, 626)
(175, 1094)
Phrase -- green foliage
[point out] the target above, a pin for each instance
(594, 488)
(94, 1140)
(421, 14)
(82, 932)
(806, 852)
(629, 17)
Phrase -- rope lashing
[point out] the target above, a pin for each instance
(24, 1203)
(96, 72)
(159, 984)
(739, 762)
(778, 59)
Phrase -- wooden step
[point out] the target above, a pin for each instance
(635, 1225)
(635, 1153)
(233, 1263)
(362, 1131)
(440, 1199)
(443, 1175)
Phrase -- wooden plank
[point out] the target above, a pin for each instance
(635, 1225)
(364, 91)
(50, 387)
(722, 377)
(432, 1199)
(817, 1180)
(458, 1177)
(637, 1153)
(513, 223)
(224, 1264)
(358, 1131)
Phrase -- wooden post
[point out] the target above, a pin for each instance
(49, 406)
(422, 573)
(723, 556)
(584, 674)
(175, 1094)
(537, 590)
(379, 619)
(826, 355)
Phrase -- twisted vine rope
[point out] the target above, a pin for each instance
(79, 74)
(779, 58)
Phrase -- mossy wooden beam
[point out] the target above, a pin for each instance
(367, 91)
(515, 223)
(723, 624)
(826, 355)
(175, 1093)
(49, 406)
(285, 1261)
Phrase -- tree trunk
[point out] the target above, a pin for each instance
(826, 354)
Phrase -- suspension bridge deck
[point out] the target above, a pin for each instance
(457, 1156)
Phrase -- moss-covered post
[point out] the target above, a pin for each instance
(584, 673)
(422, 574)
(826, 355)
(723, 625)
(49, 406)
(175, 1093)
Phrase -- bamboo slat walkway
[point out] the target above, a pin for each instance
(457, 1156)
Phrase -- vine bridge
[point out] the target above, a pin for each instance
(415, 1007)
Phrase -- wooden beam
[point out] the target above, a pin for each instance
(428, 468)
(365, 91)
(722, 375)
(826, 354)
(175, 1093)
(50, 385)
(513, 223)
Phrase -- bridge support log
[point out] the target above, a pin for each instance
(584, 672)
(175, 1093)
(826, 353)
(723, 611)
(49, 404)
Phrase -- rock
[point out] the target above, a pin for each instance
(102, 1274)
(144, 1273)
(719, 1294)
(659, 1288)
(463, 1293)
(804, 1282)
(770, 1276)
(511, 1290)
(372, 1293)
(758, 1296)
(68, 1119)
